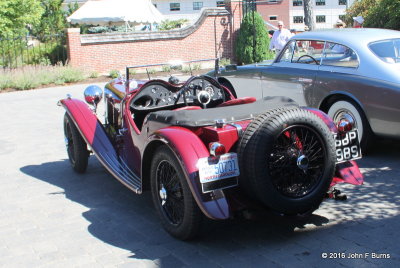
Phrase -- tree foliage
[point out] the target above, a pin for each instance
(252, 43)
(359, 8)
(377, 13)
(15, 15)
(385, 14)
(52, 20)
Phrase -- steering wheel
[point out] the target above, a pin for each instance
(201, 93)
(316, 62)
(181, 94)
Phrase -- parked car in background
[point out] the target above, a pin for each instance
(347, 73)
(203, 152)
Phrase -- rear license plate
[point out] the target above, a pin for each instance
(214, 172)
(347, 146)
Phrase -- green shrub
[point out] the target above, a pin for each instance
(32, 77)
(166, 25)
(224, 62)
(196, 66)
(186, 69)
(113, 73)
(151, 71)
(248, 50)
(166, 68)
(69, 74)
(94, 74)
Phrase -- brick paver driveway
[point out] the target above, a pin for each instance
(51, 216)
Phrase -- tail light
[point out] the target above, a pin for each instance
(344, 125)
(217, 149)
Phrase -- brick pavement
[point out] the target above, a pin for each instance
(51, 216)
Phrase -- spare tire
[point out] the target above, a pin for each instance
(287, 160)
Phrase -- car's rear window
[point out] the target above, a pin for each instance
(387, 50)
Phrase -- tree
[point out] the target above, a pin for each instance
(252, 43)
(15, 15)
(384, 14)
(53, 18)
(359, 8)
(308, 15)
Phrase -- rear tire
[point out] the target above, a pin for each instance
(78, 153)
(172, 198)
(287, 160)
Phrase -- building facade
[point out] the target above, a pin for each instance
(167, 7)
(326, 12)
(291, 12)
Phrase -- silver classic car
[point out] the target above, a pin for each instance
(347, 73)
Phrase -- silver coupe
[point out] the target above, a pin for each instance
(347, 73)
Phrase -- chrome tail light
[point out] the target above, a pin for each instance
(217, 149)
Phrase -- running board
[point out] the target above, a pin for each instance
(117, 167)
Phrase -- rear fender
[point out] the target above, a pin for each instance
(328, 121)
(347, 172)
(188, 149)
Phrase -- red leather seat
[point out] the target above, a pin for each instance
(243, 100)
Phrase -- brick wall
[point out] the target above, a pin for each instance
(211, 36)
(279, 9)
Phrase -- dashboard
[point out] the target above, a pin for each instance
(198, 90)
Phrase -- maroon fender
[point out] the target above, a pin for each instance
(328, 121)
(347, 172)
(95, 136)
(188, 149)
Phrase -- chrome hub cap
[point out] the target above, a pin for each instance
(302, 162)
(163, 195)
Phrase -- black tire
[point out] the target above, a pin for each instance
(348, 109)
(287, 160)
(78, 153)
(180, 216)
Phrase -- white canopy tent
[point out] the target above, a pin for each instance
(106, 12)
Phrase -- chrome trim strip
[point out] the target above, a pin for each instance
(238, 127)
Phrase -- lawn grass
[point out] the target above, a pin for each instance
(35, 76)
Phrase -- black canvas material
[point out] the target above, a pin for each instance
(206, 117)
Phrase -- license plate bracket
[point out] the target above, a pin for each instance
(218, 172)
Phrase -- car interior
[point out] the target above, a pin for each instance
(199, 92)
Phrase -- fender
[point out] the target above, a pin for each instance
(96, 138)
(188, 148)
(347, 172)
(343, 93)
(328, 121)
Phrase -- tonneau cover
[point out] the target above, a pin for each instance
(206, 117)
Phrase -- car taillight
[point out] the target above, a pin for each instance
(344, 125)
(217, 149)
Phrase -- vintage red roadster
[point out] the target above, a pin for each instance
(203, 152)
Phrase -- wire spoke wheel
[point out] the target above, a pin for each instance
(170, 192)
(296, 161)
(172, 197)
